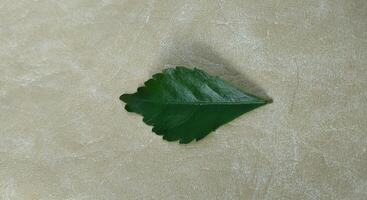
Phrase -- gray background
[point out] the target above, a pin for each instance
(64, 133)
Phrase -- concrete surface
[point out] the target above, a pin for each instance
(64, 133)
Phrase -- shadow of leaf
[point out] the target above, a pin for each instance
(204, 57)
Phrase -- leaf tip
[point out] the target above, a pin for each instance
(183, 68)
(184, 141)
(157, 76)
(128, 109)
(170, 138)
(268, 101)
(125, 97)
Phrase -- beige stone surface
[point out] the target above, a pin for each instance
(64, 133)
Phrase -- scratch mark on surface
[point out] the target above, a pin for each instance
(147, 19)
(135, 40)
(20, 110)
(9, 190)
(16, 21)
(328, 159)
(295, 91)
(255, 180)
(267, 184)
(295, 140)
(229, 25)
(72, 121)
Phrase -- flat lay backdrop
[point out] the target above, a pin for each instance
(65, 135)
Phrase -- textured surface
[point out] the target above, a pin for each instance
(187, 104)
(64, 133)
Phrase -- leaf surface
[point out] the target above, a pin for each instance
(186, 104)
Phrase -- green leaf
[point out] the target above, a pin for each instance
(186, 104)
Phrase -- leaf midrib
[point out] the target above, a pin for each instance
(203, 103)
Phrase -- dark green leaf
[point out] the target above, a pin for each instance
(186, 104)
